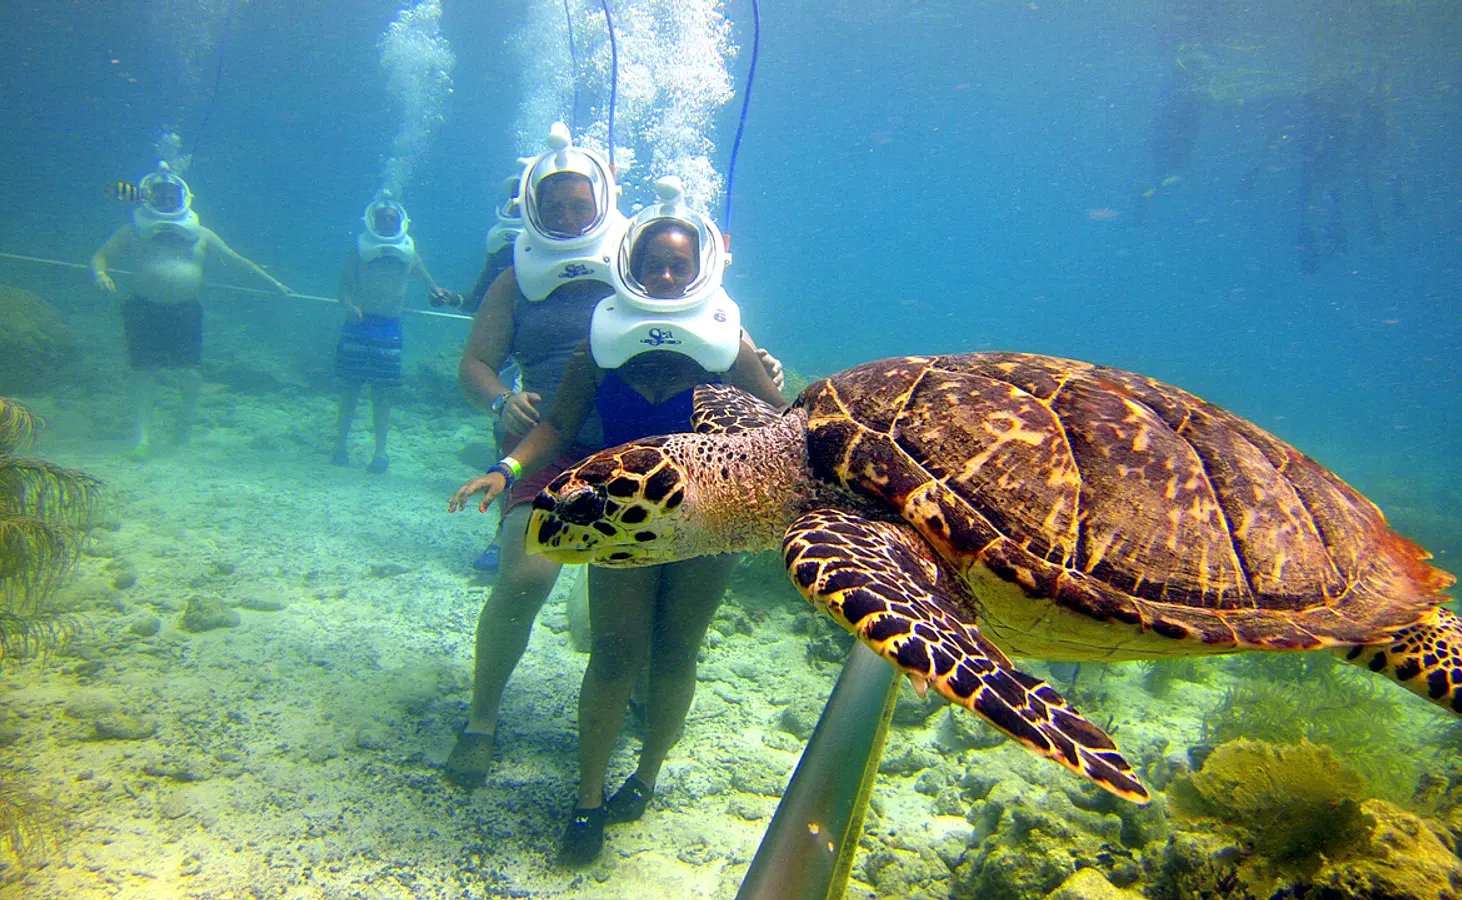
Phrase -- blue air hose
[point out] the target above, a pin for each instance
(574, 58)
(741, 122)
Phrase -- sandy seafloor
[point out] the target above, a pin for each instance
(299, 753)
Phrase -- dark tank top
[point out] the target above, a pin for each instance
(628, 416)
(545, 335)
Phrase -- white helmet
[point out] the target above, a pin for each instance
(702, 322)
(544, 258)
(509, 224)
(374, 243)
(155, 215)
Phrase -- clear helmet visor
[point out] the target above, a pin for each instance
(566, 194)
(165, 194)
(386, 220)
(669, 262)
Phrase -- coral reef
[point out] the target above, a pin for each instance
(1160, 676)
(1198, 867)
(1292, 697)
(1028, 841)
(35, 341)
(1301, 824)
(1296, 802)
(1089, 884)
(1394, 856)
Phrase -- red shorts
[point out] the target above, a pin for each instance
(527, 487)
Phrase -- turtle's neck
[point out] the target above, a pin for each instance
(747, 487)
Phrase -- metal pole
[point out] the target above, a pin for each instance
(809, 847)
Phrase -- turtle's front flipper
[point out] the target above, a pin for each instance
(881, 581)
(722, 409)
(1425, 659)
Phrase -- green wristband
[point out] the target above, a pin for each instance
(512, 465)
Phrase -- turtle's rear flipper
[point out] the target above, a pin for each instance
(881, 581)
(1426, 659)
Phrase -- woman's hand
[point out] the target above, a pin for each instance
(104, 281)
(519, 415)
(489, 485)
(773, 367)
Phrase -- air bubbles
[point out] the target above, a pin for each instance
(418, 63)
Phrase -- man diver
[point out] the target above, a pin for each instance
(373, 286)
(163, 320)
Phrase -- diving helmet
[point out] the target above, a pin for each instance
(167, 205)
(509, 222)
(165, 192)
(379, 239)
(565, 240)
(699, 320)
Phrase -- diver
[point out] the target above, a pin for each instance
(1174, 134)
(163, 319)
(534, 313)
(1341, 136)
(500, 240)
(373, 286)
(668, 327)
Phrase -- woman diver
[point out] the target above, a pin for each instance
(668, 327)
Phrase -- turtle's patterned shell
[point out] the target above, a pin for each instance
(1119, 497)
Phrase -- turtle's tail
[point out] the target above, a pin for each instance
(1425, 658)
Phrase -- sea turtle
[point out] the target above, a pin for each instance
(954, 510)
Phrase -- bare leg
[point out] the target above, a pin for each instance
(690, 592)
(191, 385)
(524, 582)
(381, 415)
(348, 399)
(503, 627)
(621, 607)
(144, 399)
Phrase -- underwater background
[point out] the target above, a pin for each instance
(915, 177)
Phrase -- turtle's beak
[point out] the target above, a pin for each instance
(549, 536)
(561, 556)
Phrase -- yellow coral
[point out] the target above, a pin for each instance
(1397, 856)
(1297, 801)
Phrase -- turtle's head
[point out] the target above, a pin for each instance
(626, 506)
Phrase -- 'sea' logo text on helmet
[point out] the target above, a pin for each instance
(659, 337)
(574, 270)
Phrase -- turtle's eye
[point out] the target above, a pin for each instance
(582, 506)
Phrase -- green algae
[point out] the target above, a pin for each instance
(1314, 697)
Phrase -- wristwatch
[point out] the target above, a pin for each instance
(498, 402)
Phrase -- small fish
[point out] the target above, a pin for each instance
(124, 191)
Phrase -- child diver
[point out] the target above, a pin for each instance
(668, 327)
(373, 293)
(163, 319)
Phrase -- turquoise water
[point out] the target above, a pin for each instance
(915, 178)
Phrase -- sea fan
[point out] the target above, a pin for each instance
(45, 513)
